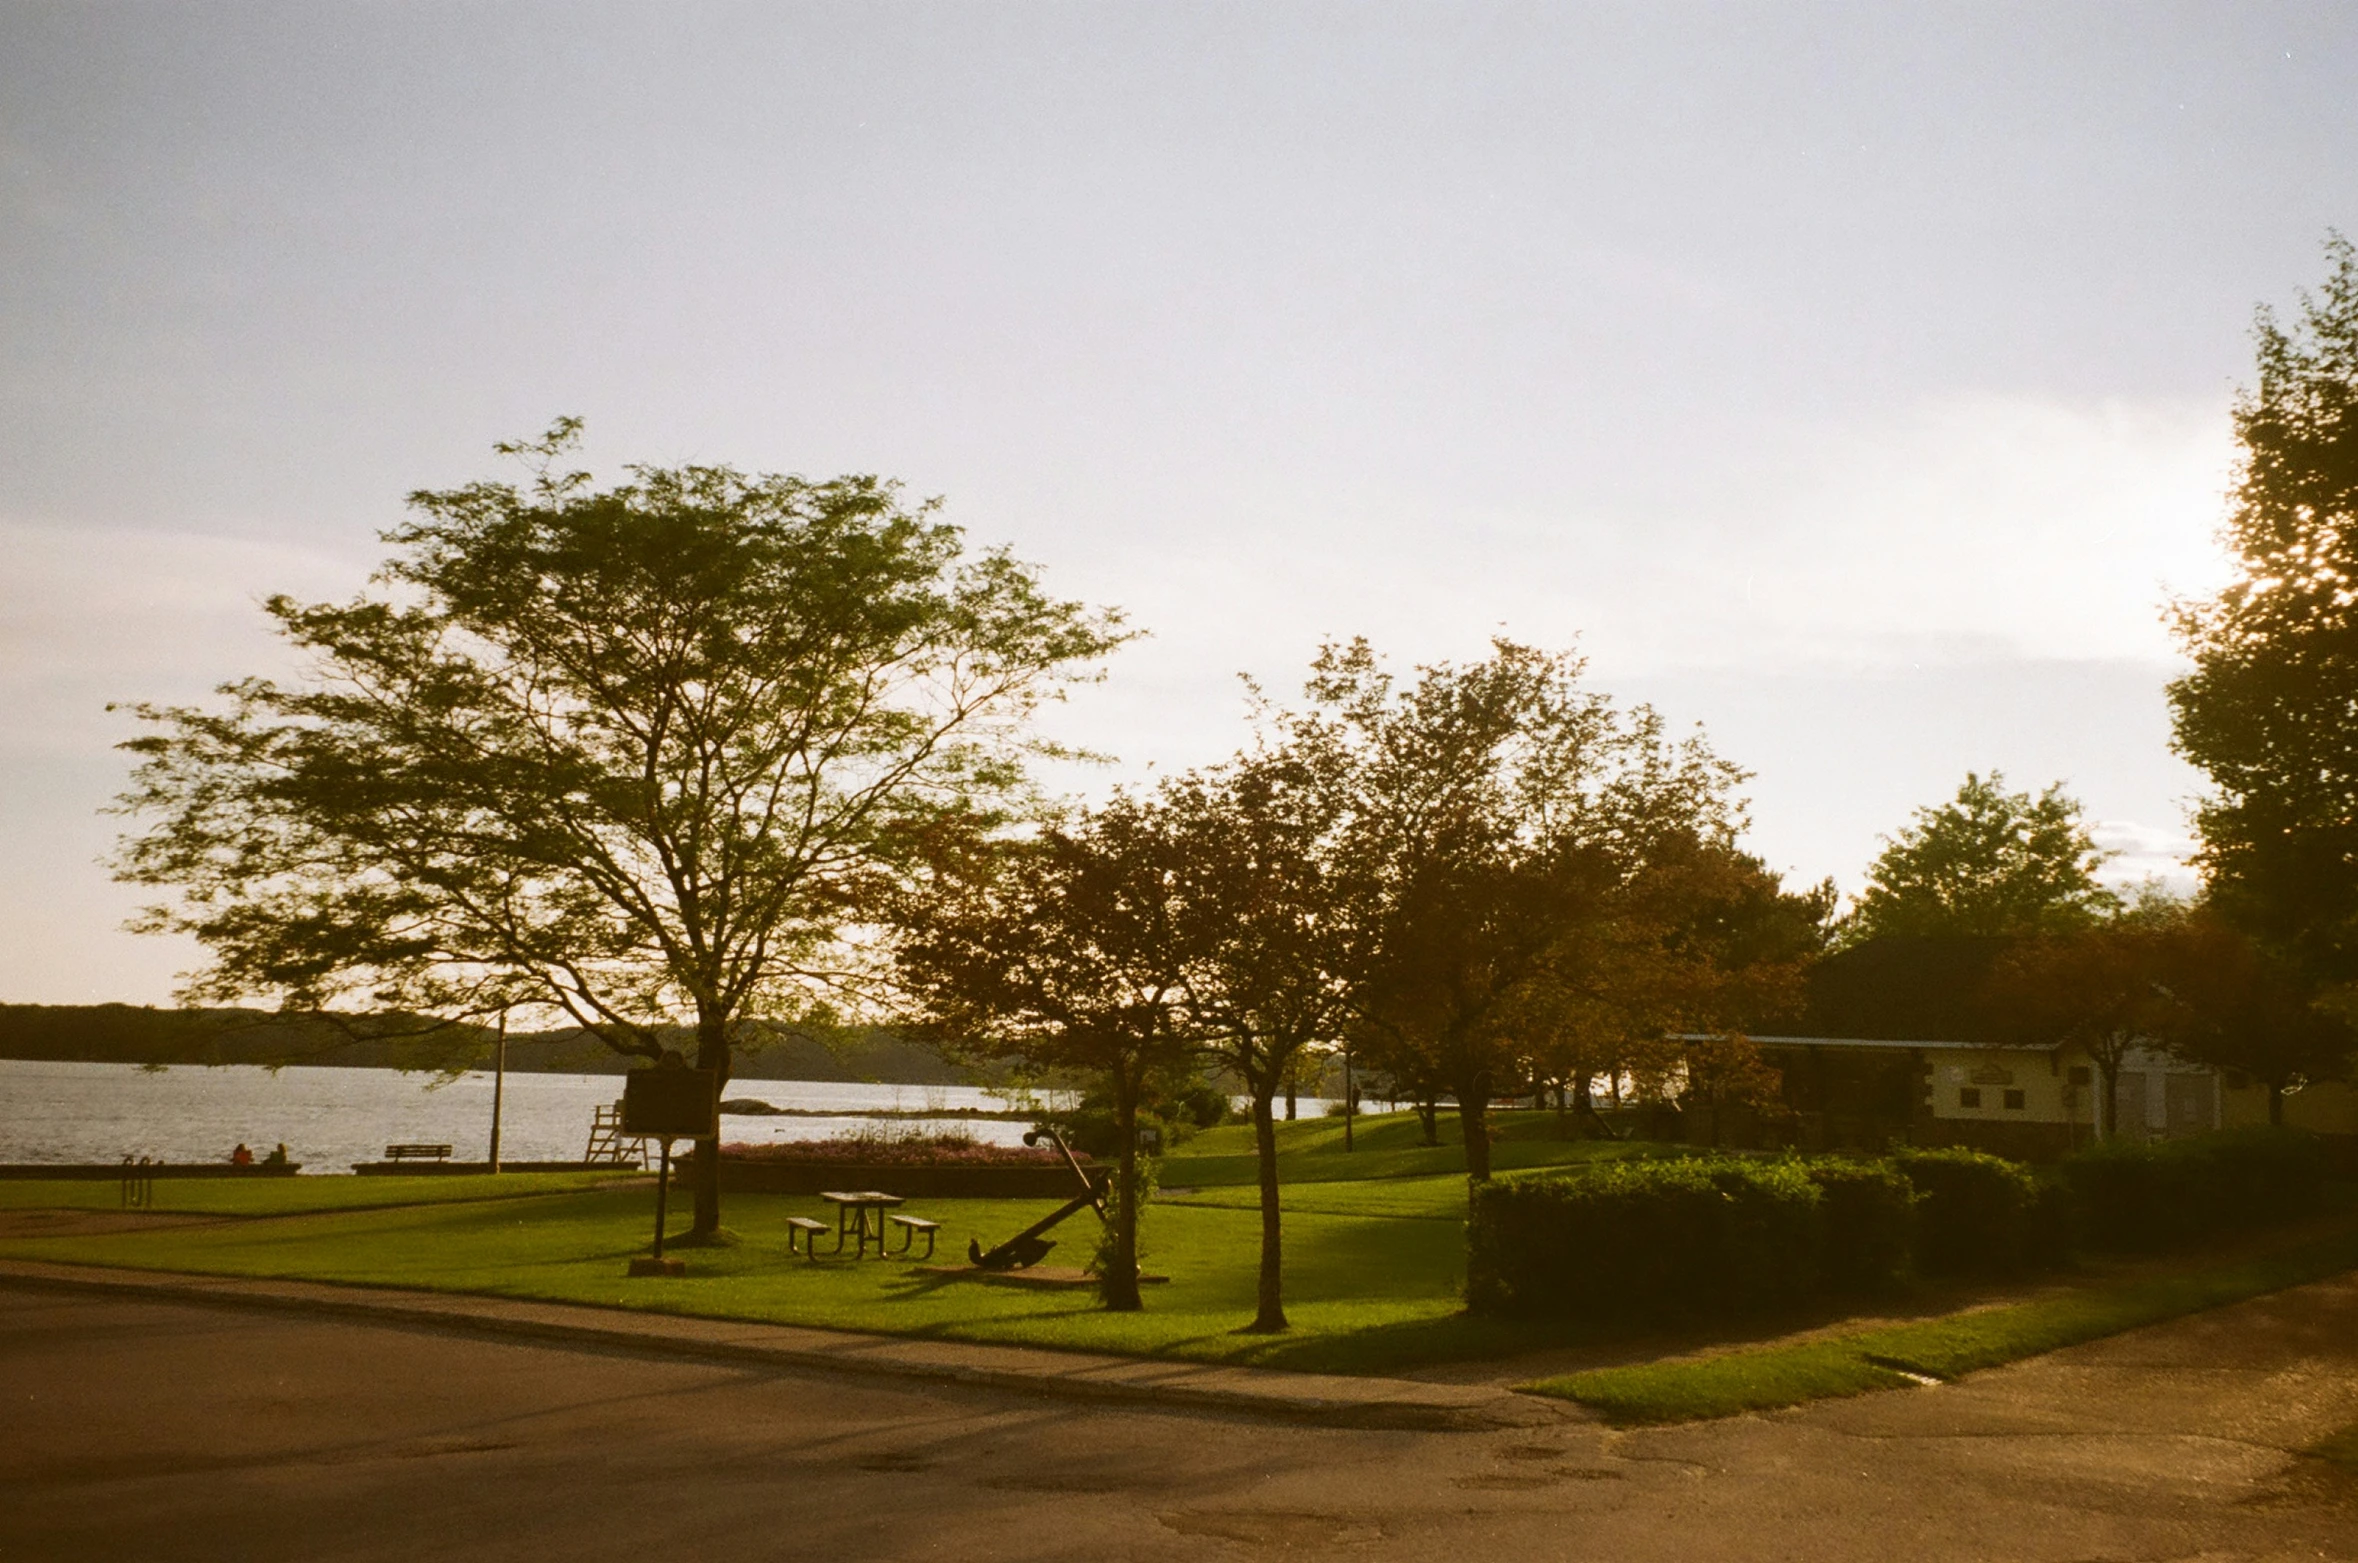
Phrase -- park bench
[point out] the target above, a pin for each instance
(912, 1225)
(417, 1153)
(811, 1232)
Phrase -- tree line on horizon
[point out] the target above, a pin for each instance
(701, 753)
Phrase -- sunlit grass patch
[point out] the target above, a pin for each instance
(1769, 1377)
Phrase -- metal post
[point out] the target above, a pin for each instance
(662, 1196)
(499, 1086)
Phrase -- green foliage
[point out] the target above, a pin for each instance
(639, 756)
(1868, 1210)
(1640, 1240)
(2266, 710)
(2173, 1193)
(1988, 862)
(1977, 1214)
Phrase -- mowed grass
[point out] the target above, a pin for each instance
(296, 1195)
(1770, 1377)
(1389, 1145)
(1365, 1293)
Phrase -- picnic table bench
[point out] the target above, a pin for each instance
(912, 1225)
(809, 1231)
(417, 1153)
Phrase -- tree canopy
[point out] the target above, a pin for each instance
(2269, 710)
(1986, 863)
(636, 756)
(1503, 825)
(1065, 951)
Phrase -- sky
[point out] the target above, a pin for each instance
(1852, 380)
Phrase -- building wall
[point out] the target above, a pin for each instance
(2008, 1085)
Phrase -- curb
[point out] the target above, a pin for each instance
(1332, 1400)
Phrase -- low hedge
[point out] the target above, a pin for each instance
(1636, 1240)
(1976, 1214)
(1869, 1213)
(1629, 1240)
(2144, 1196)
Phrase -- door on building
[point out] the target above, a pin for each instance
(2190, 1104)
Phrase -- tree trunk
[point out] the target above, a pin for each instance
(1120, 1281)
(1428, 1116)
(1473, 1117)
(1269, 1318)
(2108, 1099)
(712, 1052)
(1291, 1105)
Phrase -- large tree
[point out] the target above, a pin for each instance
(1987, 862)
(639, 755)
(1496, 811)
(2270, 708)
(1064, 951)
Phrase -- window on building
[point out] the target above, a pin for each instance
(2080, 1075)
(2014, 1101)
(1969, 1096)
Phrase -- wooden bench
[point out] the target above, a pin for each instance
(811, 1231)
(912, 1225)
(417, 1153)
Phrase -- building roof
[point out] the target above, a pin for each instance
(1904, 992)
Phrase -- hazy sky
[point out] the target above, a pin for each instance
(1853, 380)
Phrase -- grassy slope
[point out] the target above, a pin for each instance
(1773, 1376)
(1386, 1146)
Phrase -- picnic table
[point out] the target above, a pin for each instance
(860, 1216)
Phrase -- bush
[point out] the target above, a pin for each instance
(1641, 1239)
(1976, 1214)
(2146, 1196)
(1868, 1213)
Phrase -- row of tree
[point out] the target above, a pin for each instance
(705, 748)
(1485, 879)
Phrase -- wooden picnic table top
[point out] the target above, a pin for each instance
(869, 1197)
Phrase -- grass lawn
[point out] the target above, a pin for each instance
(1374, 1259)
(1365, 1292)
(284, 1196)
(1386, 1145)
(1768, 1377)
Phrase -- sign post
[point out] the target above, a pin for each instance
(668, 1102)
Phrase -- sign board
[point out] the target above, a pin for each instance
(671, 1103)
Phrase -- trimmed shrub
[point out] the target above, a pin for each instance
(2152, 1195)
(1976, 1214)
(1641, 1239)
(1868, 1213)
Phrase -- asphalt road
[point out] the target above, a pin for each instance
(139, 1430)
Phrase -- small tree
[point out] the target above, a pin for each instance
(638, 756)
(2104, 989)
(1493, 810)
(2241, 1008)
(1264, 941)
(1064, 952)
(1988, 862)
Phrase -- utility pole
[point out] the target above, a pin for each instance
(499, 1086)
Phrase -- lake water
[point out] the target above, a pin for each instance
(330, 1118)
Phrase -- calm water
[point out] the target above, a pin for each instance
(331, 1118)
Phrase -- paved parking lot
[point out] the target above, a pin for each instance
(138, 1429)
